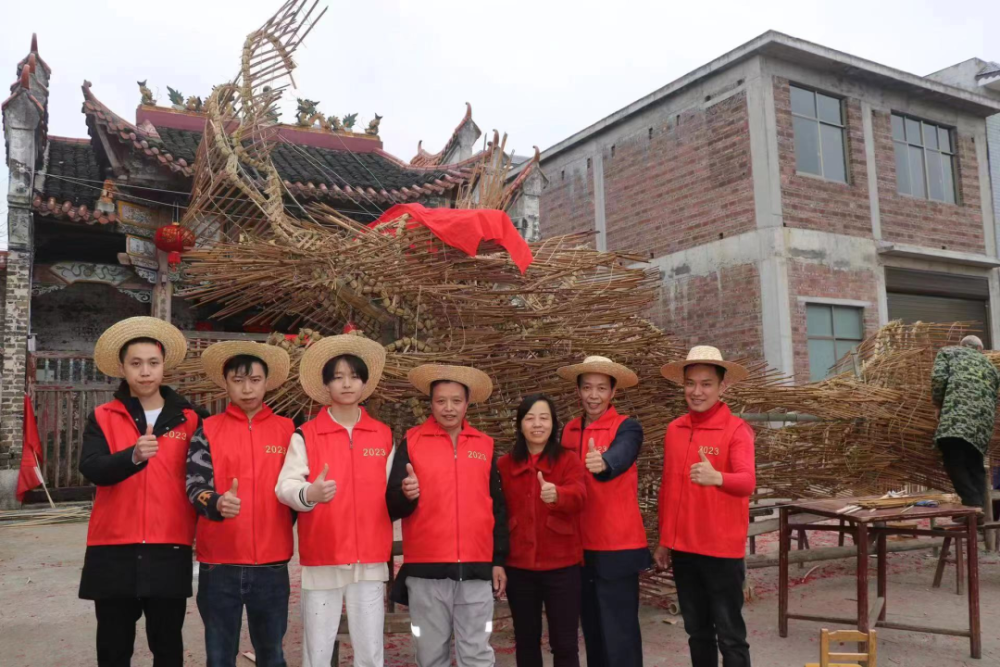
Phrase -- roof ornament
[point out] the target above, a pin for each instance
(372, 129)
(147, 94)
(176, 98)
(194, 104)
(349, 121)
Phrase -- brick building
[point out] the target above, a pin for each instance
(794, 198)
(83, 213)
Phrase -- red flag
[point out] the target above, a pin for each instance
(31, 454)
(465, 229)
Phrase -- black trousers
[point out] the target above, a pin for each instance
(559, 591)
(964, 465)
(710, 592)
(609, 615)
(116, 619)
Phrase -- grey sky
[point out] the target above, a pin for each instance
(538, 69)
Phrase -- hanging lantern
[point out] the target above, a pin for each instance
(175, 240)
(349, 327)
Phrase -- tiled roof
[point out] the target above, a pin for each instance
(72, 182)
(102, 119)
(324, 173)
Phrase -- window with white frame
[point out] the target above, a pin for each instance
(833, 331)
(818, 123)
(925, 159)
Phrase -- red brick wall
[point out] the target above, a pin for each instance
(683, 186)
(920, 221)
(807, 279)
(567, 202)
(720, 309)
(810, 202)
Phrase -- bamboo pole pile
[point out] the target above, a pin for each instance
(318, 270)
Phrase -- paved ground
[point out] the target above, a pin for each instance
(42, 623)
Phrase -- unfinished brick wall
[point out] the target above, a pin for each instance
(681, 182)
(811, 202)
(567, 204)
(809, 279)
(720, 309)
(923, 222)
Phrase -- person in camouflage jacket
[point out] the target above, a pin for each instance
(964, 386)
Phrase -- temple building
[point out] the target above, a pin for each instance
(85, 212)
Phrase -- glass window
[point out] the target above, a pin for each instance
(832, 331)
(924, 159)
(818, 123)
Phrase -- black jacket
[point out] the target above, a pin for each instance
(400, 507)
(133, 570)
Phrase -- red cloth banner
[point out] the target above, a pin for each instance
(465, 229)
(32, 457)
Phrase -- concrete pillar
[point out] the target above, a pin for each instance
(600, 221)
(526, 210)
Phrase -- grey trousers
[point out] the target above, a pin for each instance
(438, 606)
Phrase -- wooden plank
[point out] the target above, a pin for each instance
(58, 448)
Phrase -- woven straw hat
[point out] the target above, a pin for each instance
(704, 354)
(325, 349)
(624, 378)
(215, 356)
(479, 383)
(114, 338)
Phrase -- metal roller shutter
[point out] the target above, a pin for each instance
(918, 296)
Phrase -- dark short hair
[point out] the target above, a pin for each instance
(356, 364)
(579, 379)
(719, 370)
(140, 341)
(553, 448)
(242, 364)
(437, 382)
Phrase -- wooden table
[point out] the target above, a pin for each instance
(869, 528)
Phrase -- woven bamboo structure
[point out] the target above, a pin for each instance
(427, 302)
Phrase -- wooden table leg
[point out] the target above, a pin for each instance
(942, 561)
(862, 540)
(753, 539)
(803, 544)
(784, 541)
(960, 565)
(840, 539)
(882, 574)
(972, 548)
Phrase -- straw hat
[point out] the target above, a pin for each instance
(325, 349)
(624, 377)
(479, 383)
(704, 354)
(117, 335)
(215, 356)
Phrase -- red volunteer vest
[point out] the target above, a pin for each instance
(453, 522)
(253, 453)
(702, 519)
(354, 527)
(611, 520)
(151, 506)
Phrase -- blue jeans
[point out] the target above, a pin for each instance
(223, 590)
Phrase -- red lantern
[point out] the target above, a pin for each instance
(173, 258)
(349, 327)
(174, 239)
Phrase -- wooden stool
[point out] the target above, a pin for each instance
(828, 659)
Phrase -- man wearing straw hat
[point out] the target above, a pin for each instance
(244, 534)
(614, 539)
(708, 476)
(138, 559)
(445, 485)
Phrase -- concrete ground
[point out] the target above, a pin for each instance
(43, 623)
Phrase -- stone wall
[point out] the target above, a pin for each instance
(15, 349)
(71, 319)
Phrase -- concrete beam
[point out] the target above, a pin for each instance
(761, 118)
(869, 134)
(931, 254)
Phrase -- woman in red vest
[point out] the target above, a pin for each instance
(544, 486)
(138, 559)
(335, 475)
(244, 534)
(614, 541)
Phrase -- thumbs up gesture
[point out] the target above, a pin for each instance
(229, 503)
(594, 461)
(322, 490)
(411, 486)
(549, 493)
(704, 474)
(146, 446)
